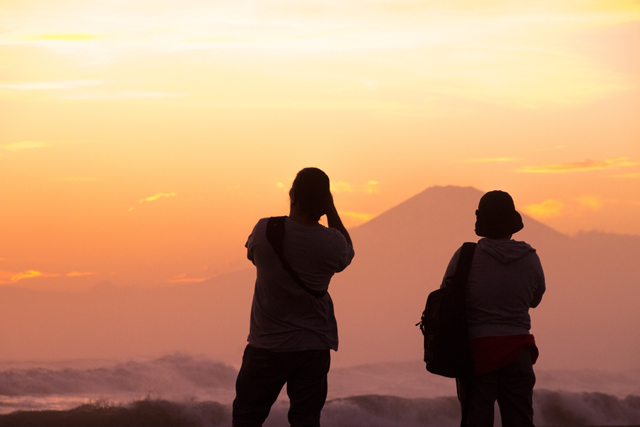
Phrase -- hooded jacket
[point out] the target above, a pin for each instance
(505, 280)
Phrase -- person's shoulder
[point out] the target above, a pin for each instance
(335, 236)
(261, 224)
(530, 255)
(332, 232)
(260, 227)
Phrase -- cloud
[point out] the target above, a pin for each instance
(97, 94)
(547, 209)
(182, 278)
(215, 40)
(156, 197)
(79, 273)
(7, 277)
(341, 187)
(583, 166)
(78, 179)
(52, 85)
(30, 274)
(470, 50)
(371, 187)
(574, 207)
(66, 37)
(624, 202)
(491, 160)
(357, 217)
(344, 187)
(23, 145)
(590, 202)
(125, 94)
(627, 175)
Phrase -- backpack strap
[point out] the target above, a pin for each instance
(463, 267)
(275, 236)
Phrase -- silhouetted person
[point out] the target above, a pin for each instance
(505, 280)
(292, 328)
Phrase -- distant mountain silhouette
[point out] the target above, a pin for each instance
(588, 317)
(402, 254)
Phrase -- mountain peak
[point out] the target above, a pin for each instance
(445, 212)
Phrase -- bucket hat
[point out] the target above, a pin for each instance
(496, 216)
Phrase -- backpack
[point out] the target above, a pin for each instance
(447, 350)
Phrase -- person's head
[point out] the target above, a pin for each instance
(496, 216)
(310, 192)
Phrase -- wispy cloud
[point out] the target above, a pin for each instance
(491, 160)
(371, 187)
(574, 207)
(357, 218)
(341, 187)
(79, 273)
(125, 94)
(23, 145)
(8, 277)
(471, 49)
(51, 85)
(67, 37)
(30, 274)
(627, 175)
(590, 202)
(157, 196)
(182, 278)
(74, 86)
(345, 187)
(624, 202)
(583, 166)
(78, 179)
(547, 209)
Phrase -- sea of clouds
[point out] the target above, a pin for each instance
(201, 390)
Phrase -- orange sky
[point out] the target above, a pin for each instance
(140, 141)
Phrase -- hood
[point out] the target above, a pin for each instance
(505, 251)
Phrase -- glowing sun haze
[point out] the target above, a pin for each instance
(141, 140)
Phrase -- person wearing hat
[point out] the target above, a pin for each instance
(505, 280)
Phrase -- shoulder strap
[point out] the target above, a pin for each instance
(461, 274)
(275, 236)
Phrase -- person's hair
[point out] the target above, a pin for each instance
(310, 192)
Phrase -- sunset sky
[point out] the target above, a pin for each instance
(141, 140)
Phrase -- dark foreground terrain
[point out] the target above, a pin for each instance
(144, 413)
(552, 408)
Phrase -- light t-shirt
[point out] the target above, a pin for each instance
(285, 317)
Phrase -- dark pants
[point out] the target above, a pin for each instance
(511, 386)
(264, 373)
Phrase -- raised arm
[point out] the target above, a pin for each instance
(334, 221)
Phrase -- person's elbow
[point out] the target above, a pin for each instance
(537, 298)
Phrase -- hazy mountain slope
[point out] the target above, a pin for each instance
(401, 256)
(109, 321)
(588, 317)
